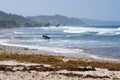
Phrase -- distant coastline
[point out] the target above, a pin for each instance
(14, 20)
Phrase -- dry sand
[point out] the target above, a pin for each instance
(99, 74)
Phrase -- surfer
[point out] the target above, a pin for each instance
(45, 36)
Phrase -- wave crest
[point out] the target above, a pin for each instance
(91, 30)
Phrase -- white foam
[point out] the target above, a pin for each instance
(51, 49)
(54, 28)
(63, 51)
(117, 33)
(71, 29)
(100, 31)
(23, 32)
(3, 35)
(17, 32)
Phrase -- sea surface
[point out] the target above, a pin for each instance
(101, 42)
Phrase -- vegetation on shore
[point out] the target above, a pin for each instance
(58, 61)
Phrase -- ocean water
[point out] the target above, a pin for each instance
(86, 42)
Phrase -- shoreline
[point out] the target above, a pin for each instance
(27, 68)
(23, 63)
(68, 52)
(29, 50)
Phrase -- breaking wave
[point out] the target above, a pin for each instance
(93, 31)
(60, 51)
(65, 39)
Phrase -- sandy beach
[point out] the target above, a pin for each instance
(14, 71)
(17, 70)
(59, 40)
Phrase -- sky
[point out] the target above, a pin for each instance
(92, 9)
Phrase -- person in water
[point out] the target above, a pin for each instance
(45, 36)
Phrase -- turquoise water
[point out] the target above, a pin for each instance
(103, 42)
